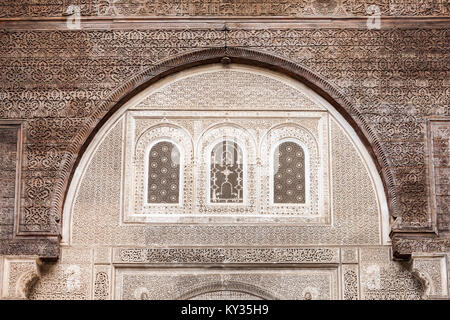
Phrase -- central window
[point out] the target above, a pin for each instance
(227, 173)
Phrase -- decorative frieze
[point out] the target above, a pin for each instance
(63, 282)
(270, 273)
(225, 255)
(220, 8)
(351, 199)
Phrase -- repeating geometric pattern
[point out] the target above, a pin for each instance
(316, 160)
(145, 175)
(289, 173)
(164, 173)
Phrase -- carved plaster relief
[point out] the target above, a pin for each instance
(350, 282)
(384, 279)
(102, 282)
(133, 256)
(431, 269)
(350, 210)
(141, 284)
(316, 272)
(63, 281)
(200, 133)
(19, 275)
(110, 249)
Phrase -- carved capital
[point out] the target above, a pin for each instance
(19, 275)
(431, 269)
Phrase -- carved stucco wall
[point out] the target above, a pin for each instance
(60, 84)
(99, 249)
(355, 207)
(391, 86)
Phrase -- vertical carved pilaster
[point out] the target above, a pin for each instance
(350, 273)
(102, 282)
(350, 282)
(438, 159)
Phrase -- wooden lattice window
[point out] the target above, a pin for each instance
(164, 173)
(289, 173)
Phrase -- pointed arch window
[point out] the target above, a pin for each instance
(227, 173)
(289, 173)
(164, 173)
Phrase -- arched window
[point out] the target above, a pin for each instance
(226, 173)
(289, 173)
(164, 173)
